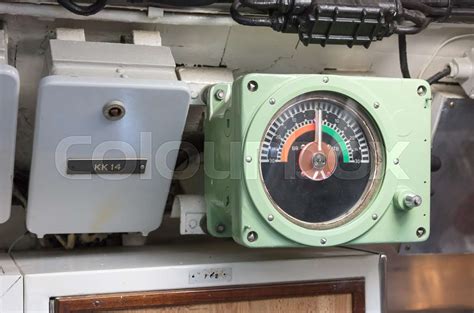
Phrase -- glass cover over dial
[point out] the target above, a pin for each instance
(319, 160)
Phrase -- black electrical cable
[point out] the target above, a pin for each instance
(402, 50)
(85, 10)
(426, 9)
(248, 20)
(440, 75)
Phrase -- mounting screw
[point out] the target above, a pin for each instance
(114, 110)
(270, 218)
(375, 217)
(252, 86)
(421, 91)
(220, 94)
(323, 241)
(272, 101)
(248, 159)
(325, 79)
(420, 232)
(412, 201)
(376, 105)
(451, 104)
(252, 236)
(396, 161)
(220, 228)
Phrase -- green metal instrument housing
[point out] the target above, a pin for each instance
(237, 117)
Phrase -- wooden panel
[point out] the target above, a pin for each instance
(234, 299)
(329, 304)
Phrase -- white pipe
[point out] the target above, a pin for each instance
(51, 11)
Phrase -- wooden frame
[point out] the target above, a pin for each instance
(167, 298)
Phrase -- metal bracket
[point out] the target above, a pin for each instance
(70, 54)
(191, 210)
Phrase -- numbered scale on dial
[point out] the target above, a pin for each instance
(318, 159)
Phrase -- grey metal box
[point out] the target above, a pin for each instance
(70, 125)
(9, 90)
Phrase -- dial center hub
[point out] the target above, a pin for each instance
(317, 164)
(319, 161)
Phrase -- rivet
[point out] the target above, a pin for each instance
(376, 105)
(248, 159)
(396, 161)
(323, 241)
(272, 101)
(375, 217)
(325, 79)
(270, 218)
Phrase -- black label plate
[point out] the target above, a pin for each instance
(129, 166)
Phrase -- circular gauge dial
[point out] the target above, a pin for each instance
(318, 160)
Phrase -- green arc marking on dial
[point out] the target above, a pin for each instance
(331, 132)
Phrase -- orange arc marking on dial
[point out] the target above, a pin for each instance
(289, 142)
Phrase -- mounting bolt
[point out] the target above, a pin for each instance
(421, 91)
(375, 217)
(420, 232)
(252, 86)
(248, 159)
(220, 228)
(412, 201)
(270, 218)
(272, 101)
(325, 79)
(220, 94)
(376, 105)
(323, 241)
(252, 236)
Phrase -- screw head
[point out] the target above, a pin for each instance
(323, 241)
(325, 79)
(421, 91)
(220, 228)
(248, 159)
(270, 218)
(376, 105)
(420, 232)
(375, 217)
(252, 86)
(252, 236)
(220, 94)
(396, 161)
(272, 101)
(451, 104)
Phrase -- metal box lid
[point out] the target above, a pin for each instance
(9, 91)
(71, 126)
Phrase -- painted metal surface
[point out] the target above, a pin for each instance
(11, 286)
(236, 197)
(51, 274)
(9, 91)
(70, 125)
